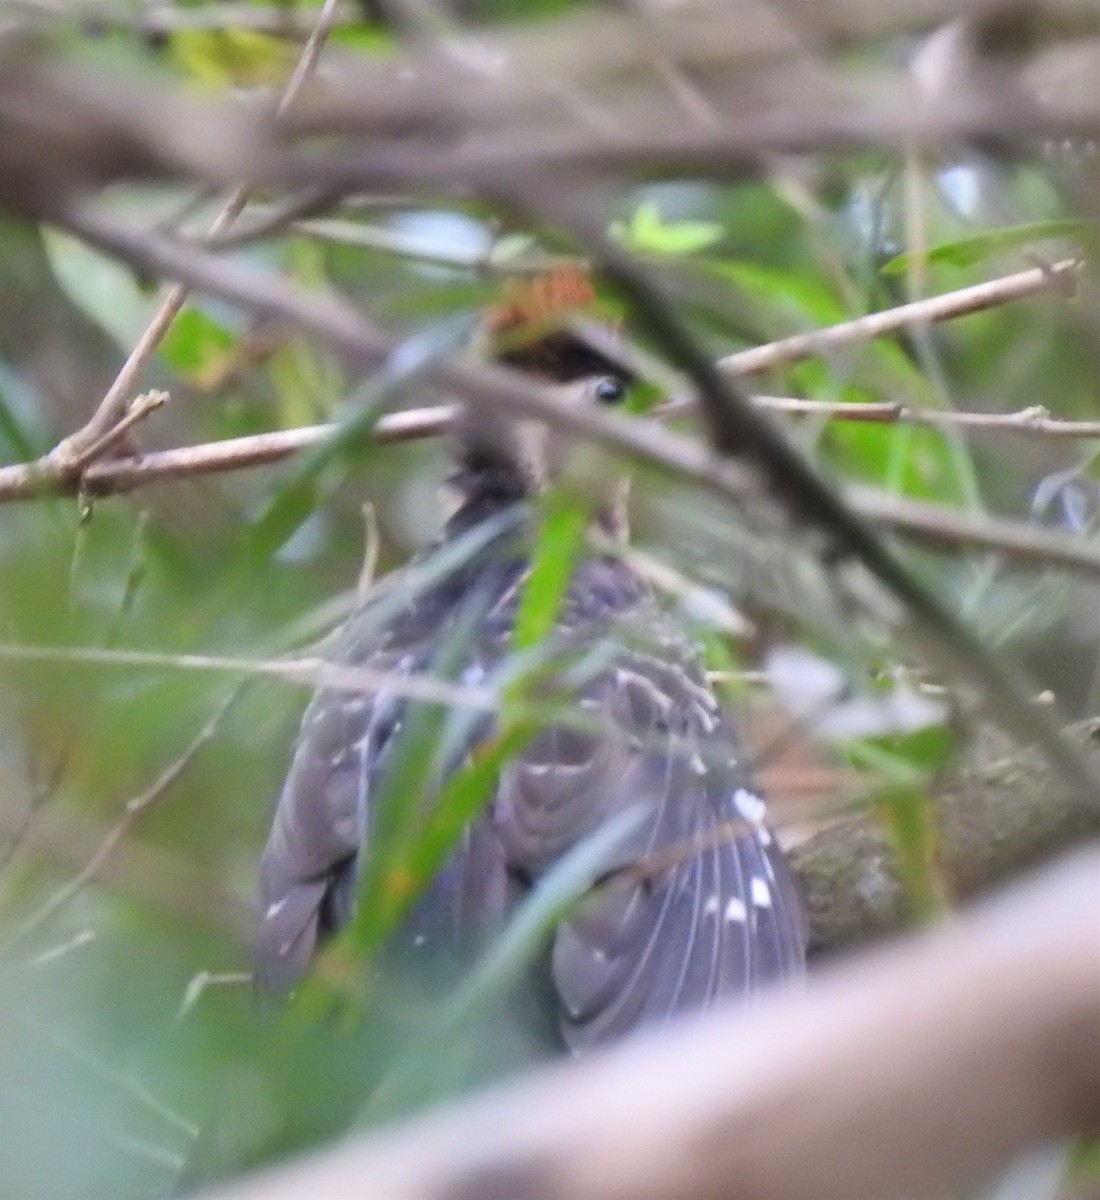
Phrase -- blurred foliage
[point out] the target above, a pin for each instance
(116, 1076)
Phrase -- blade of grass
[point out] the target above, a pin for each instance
(561, 537)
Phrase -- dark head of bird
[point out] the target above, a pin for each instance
(502, 462)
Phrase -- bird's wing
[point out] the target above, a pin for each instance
(319, 827)
(700, 904)
(320, 830)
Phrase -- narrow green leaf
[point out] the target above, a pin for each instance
(463, 798)
(907, 816)
(561, 537)
(966, 252)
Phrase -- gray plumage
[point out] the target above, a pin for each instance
(698, 905)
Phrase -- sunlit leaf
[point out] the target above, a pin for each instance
(197, 347)
(222, 58)
(648, 233)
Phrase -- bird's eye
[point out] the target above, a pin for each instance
(609, 390)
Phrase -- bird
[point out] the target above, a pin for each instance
(698, 903)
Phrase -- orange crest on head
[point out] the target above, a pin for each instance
(528, 329)
(531, 305)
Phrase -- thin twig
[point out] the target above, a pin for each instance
(950, 529)
(24, 481)
(70, 455)
(312, 672)
(1059, 277)
(135, 808)
(354, 336)
(1034, 421)
(137, 410)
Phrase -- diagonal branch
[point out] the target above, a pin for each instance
(812, 1094)
(1059, 277)
(110, 417)
(739, 433)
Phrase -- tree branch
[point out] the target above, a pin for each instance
(70, 455)
(995, 817)
(1059, 277)
(905, 1074)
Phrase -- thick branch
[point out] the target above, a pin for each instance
(995, 819)
(904, 1075)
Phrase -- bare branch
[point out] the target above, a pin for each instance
(1059, 277)
(812, 1094)
(25, 481)
(944, 528)
(102, 428)
(1033, 422)
(995, 817)
(935, 525)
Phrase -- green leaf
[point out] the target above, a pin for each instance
(966, 252)
(225, 58)
(908, 817)
(102, 289)
(556, 552)
(196, 345)
(648, 234)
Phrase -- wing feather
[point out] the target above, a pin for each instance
(686, 915)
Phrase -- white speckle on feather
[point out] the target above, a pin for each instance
(710, 909)
(275, 908)
(736, 910)
(698, 767)
(761, 893)
(749, 805)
